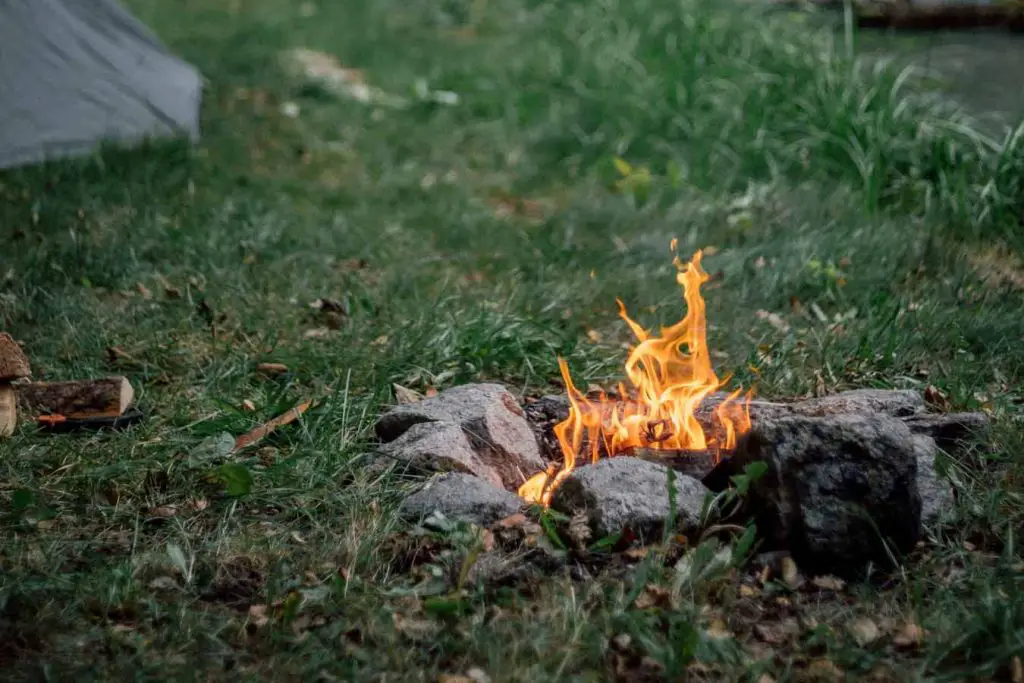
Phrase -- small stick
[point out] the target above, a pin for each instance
(263, 430)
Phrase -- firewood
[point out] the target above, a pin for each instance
(8, 410)
(106, 397)
(13, 362)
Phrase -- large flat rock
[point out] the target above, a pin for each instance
(840, 492)
(491, 419)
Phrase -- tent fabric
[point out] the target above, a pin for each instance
(76, 73)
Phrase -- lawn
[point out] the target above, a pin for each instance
(860, 234)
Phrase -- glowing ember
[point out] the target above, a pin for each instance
(669, 376)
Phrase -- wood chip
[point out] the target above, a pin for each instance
(272, 368)
(13, 361)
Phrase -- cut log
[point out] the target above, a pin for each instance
(13, 362)
(941, 17)
(106, 397)
(8, 410)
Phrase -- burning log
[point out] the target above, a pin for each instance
(14, 366)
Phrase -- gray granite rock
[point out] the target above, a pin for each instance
(840, 491)
(461, 497)
(937, 498)
(491, 419)
(897, 403)
(948, 429)
(438, 447)
(622, 492)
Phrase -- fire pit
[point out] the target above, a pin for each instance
(849, 479)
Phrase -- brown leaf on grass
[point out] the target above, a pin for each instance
(829, 583)
(454, 678)
(909, 637)
(718, 629)
(774, 319)
(143, 291)
(508, 206)
(199, 504)
(823, 670)
(486, 540)
(257, 434)
(935, 398)
(654, 596)
(272, 368)
(249, 405)
(998, 268)
(516, 520)
(415, 628)
(790, 574)
(165, 511)
(405, 395)
(864, 631)
(316, 333)
(1016, 670)
(777, 632)
(258, 615)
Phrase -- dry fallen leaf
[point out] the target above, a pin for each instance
(258, 615)
(790, 574)
(405, 395)
(594, 336)
(199, 504)
(316, 333)
(909, 636)
(829, 583)
(478, 675)
(653, 596)
(622, 642)
(748, 591)
(165, 511)
(1016, 670)
(824, 670)
(864, 631)
(486, 540)
(454, 678)
(776, 633)
(516, 520)
(934, 397)
(380, 341)
(272, 368)
(774, 320)
(144, 291)
(718, 629)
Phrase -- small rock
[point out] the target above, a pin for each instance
(937, 496)
(492, 420)
(461, 497)
(439, 447)
(833, 483)
(628, 492)
(897, 403)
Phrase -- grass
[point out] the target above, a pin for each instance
(481, 241)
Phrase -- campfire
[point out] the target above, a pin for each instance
(669, 378)
(822, 474)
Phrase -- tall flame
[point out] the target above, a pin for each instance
(669, 376)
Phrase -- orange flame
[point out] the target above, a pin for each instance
(670, 376)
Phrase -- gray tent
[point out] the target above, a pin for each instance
(75, 73)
